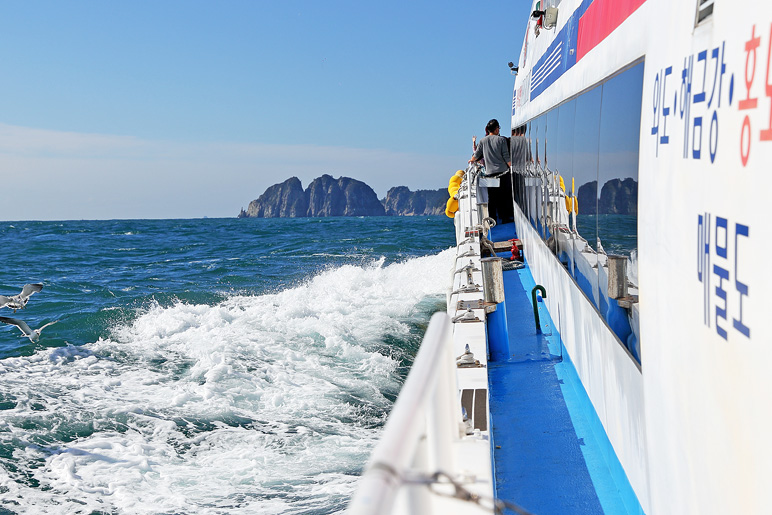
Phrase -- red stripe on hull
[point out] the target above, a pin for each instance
(600, 20)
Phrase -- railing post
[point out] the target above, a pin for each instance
(617, 276)
(438, 434)
(418, 497)
(428, 400)
(445, 410)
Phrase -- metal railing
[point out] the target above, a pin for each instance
(418, 436)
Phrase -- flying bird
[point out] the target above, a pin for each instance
(32, 334)
(19, 301)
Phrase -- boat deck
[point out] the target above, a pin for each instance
(550, 452)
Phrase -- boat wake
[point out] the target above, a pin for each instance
(266, 403)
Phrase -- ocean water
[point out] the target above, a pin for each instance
(618, 233)
(208, 366)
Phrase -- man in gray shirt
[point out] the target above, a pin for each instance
(521, 156)
(519, 150)
(495, 150)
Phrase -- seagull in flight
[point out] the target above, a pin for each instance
(19, 301)
(32, 334)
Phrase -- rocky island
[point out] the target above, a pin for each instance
(617, 197)
(327, 196)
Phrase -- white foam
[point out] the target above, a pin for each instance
(265, 404)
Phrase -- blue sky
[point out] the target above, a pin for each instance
(188, 108)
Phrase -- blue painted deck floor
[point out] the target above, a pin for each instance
(551, 455)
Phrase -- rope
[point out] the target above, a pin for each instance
(486, 225)
(485, 242)
(512, 265)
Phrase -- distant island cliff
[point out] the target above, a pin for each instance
(400, 201)
(326, 196)
(617, 197)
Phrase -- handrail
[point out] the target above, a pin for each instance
(428, 400)
(538, 287)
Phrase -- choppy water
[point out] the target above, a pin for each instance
(618, 233)
(208, 366)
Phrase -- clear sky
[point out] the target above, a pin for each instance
(185, 109)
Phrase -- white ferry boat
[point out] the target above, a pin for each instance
(606, 351)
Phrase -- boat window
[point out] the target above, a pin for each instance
(704, 10)
(530, 197)
(551, 139)
(539, 180)
(617, 200)
(532, 139)
(542, 138)
(564, 144)
(550, 145)
(564, 166)
(590, 220)
(585, 157)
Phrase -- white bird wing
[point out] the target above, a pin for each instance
(49, 323)
(29, 289)
(21, 324)
(4, 301)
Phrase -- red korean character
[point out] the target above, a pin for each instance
(751, 47)
(766, 134)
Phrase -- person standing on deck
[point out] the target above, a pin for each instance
(520, 154)
(495, 150)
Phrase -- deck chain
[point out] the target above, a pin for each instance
(461, 493)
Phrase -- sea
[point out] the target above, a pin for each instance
(618, 233)
(208, 366)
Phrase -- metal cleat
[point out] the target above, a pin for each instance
(469, 267)
(470, 252)
(467, 316)
(466, 360)
(469, 288)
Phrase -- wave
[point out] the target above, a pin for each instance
(269, 402)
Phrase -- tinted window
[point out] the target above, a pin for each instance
(592, 141)
(617, 195)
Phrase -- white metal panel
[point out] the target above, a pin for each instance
(707, 413)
